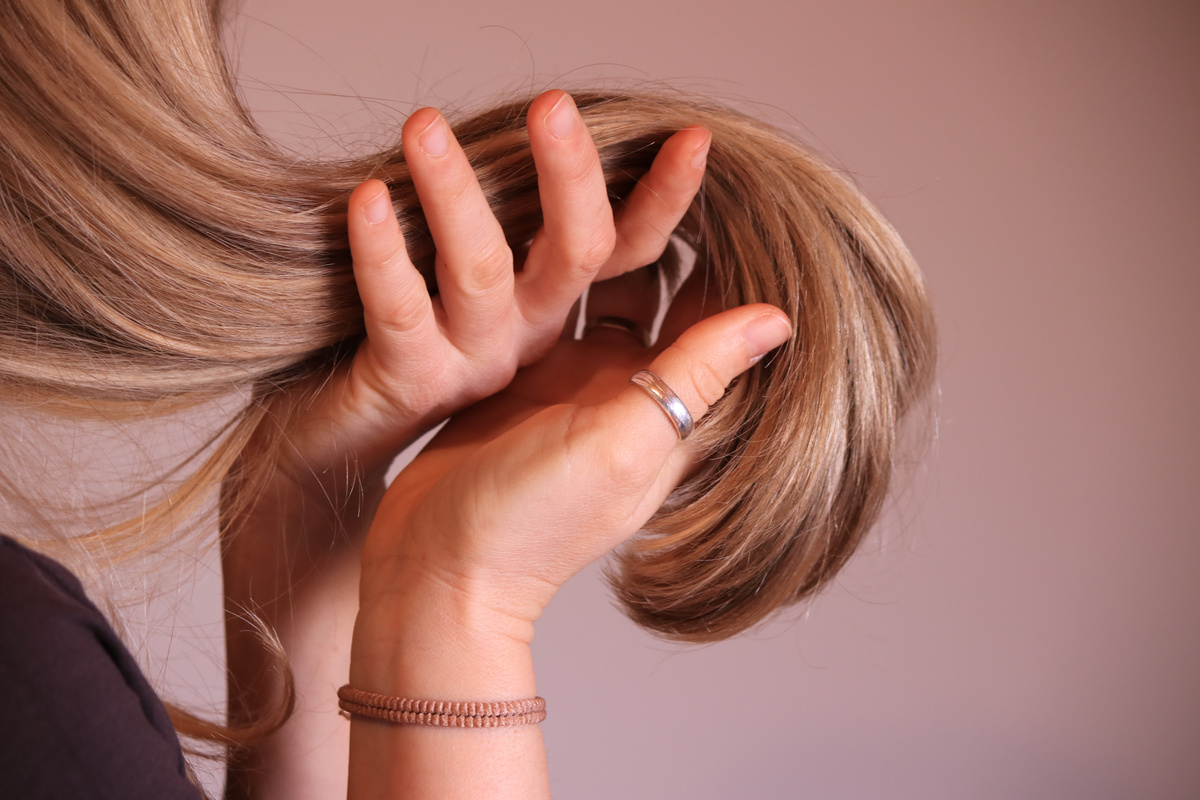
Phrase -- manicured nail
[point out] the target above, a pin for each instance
(700, 154)
(764, 334)
(378, 208)
(433, 139)
(562, 118)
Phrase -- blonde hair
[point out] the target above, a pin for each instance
(158, 251)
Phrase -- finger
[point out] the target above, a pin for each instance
(698, 367)
(652, 211)
(577, 234)
(474, 262)
(397, 310)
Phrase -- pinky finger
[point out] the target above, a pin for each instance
(656, 205)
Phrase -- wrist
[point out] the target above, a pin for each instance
(425, 639)
(429, 655)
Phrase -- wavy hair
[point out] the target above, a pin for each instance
(158, 251)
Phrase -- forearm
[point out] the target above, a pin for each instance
(292, 562)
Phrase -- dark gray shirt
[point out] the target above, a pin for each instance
(78, 719)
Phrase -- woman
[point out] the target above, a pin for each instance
(160, 252)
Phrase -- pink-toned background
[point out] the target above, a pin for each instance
(1024, 623)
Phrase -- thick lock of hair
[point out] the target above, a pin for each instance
(156, 251)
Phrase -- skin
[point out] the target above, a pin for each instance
(441, 577)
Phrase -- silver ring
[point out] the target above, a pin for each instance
(667, 400)
(619, 324)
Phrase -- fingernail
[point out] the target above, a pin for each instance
(562, 118)
(433, 139)
(378, 208)
(700, 154)
(764, 334)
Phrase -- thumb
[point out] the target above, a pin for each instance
(697, 368)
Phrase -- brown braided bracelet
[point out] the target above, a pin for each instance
(500, 714)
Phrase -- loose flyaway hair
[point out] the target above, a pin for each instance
(157, 251)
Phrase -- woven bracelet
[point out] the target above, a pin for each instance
(401, 710)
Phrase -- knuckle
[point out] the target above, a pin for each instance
(540, 335)
(642, 246)
(494, 363)
(623, 469)
(676, 187)
(488, 381)
(706, 383)
(490, 271)
(581, 166)
(456, 186)
(603, 242)
(392, 255)
(503, 369)
(591, 250)
(493, 255)
(404, 312)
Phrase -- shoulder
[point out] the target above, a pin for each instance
(45, 616)
(78, 718)
(31, 583)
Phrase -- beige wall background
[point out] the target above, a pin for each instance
(1024, 622)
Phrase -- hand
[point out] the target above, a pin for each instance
(424, 358)
(518, 494)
